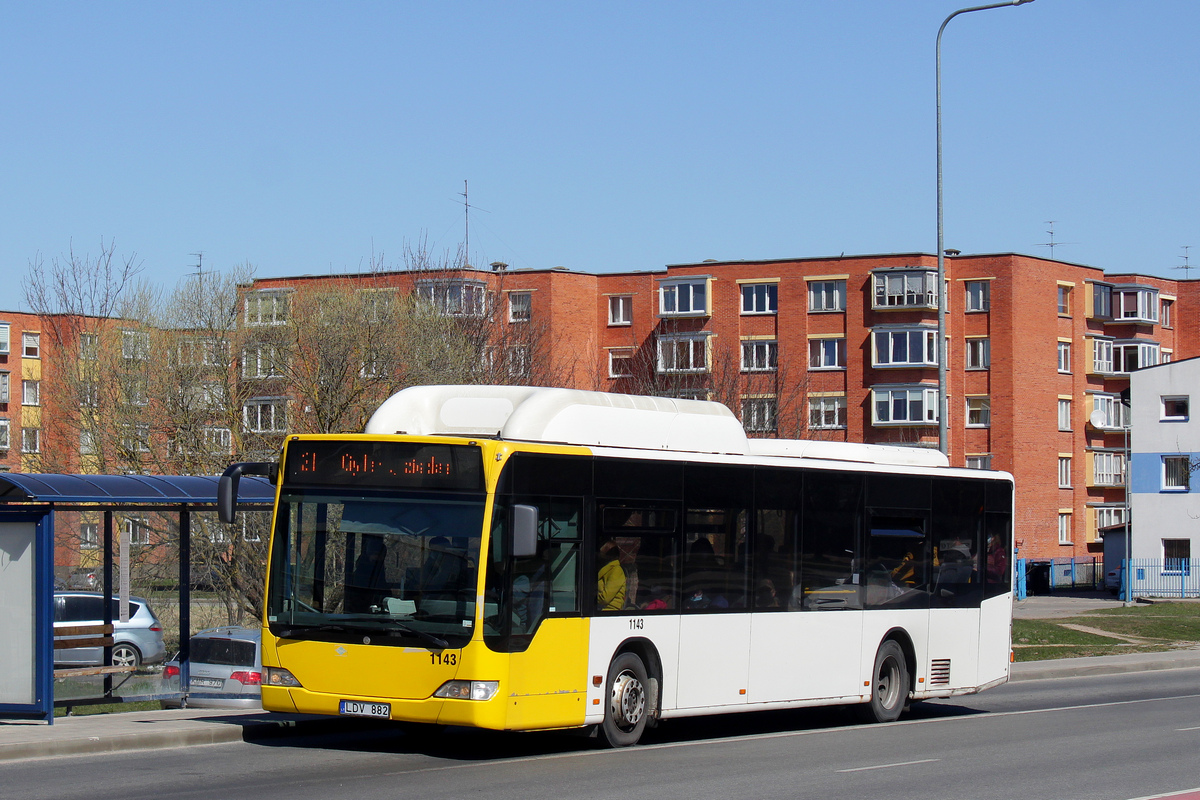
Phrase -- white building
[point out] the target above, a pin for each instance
(1164, 493)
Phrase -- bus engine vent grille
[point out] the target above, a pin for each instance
(939, 672)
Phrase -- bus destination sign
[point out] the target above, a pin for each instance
(406, 465)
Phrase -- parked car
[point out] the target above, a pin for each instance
(136, 642)
(1112, 580)
(225, 661)
(88, 581)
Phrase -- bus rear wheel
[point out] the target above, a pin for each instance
(889, 684)
(627, 710)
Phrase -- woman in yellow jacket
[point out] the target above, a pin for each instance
(610, 589)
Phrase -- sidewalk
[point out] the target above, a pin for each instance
(150, 730)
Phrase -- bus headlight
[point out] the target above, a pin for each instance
(468, 690)
(278, 676)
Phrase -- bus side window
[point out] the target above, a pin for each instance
(831, 570)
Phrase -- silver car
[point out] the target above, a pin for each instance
(136, 642)
(222, 661)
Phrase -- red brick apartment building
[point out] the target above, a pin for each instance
(834, 348)
(845, 349)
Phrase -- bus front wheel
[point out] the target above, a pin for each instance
(627, 710)
(889, 684)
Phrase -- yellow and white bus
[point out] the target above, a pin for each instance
(520, 558)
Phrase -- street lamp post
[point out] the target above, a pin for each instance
(943, 400)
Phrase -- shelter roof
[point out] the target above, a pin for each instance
(16, 487)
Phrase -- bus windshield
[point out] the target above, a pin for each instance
(390, 569)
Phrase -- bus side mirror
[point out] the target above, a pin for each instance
(524, 531)
(227, 486)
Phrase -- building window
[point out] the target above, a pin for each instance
(520, 306)
(31, 393)
(684, 299)
(905, 405)
(1176, 473)
(978, 296)
(218, 440)
(265, 415)
(1064, 527)
(979, 462)
(454, 298)
(685, 353)
(89, 536)
(759, 356)
(1132, 356)
(979, 412)
(266, 308)
(31, 440)
(1102, 356)
(825, 413)
(1177, 556)
(905, 289)
(1175, 408)
(89, 346)
(136, 438)
(978, 353)
(1064, 472)
(261, 361)
(620, 364)
(31, 345)
(827, 353)
(135, 345)
(1136, 305)
(517, 361)
(826, 295)
(1064, 300)
(89, 394)
(760, 298)
(1064, 356)
(5, 334)
(5, 432)
(1114, 415)
(1102, 301)
(1164, 317)
(1164, 356)
(87, 443)
(1064, 414)
(1108, 468)
(620, 310)
(4, 386)
(138, 531)
(758, 414)
(905, 348)
(1108, 516)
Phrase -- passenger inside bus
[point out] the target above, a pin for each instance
(610, 588)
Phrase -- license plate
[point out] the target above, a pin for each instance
(357, 708)
(207, 683)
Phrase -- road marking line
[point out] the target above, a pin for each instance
(889, 766)
(1186, 794)
(1181, 730)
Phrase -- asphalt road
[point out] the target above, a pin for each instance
(1100, 738)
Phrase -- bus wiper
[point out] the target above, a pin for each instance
(428, 638)
(287, 633)
(330, 627)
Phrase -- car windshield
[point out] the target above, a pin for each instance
(387, 569)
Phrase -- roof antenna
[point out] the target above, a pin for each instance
(1185, 266)
(1052, 244)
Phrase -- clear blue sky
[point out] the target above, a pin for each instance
(301, 137)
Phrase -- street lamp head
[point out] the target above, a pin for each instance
(1021, 2)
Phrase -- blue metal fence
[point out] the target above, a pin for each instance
(1158, 578)
(1042, 576)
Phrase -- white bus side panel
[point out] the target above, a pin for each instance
(953, 637)
(877, 623)
(805, 654)
(713, 666)
(995, 639)
(606, 634)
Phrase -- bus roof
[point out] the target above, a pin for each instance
(602, 419)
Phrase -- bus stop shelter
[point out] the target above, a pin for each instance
(28, 504)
